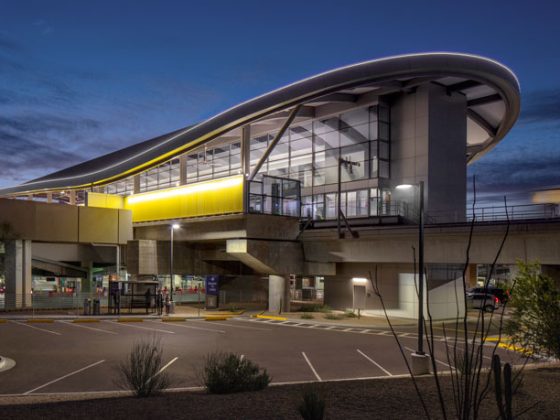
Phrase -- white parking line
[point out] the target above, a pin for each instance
(175, 324)
(63, 377)
(437, 361)
(141, 328)
(38, 329)
(233, 326)
(166, 365)
(312, 368)
(89, 328)
(462, 349)
(374, 362)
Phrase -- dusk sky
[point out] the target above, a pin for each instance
(79, 79)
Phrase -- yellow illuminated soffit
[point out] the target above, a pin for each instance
(212, 185)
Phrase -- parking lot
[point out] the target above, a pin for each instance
(63, 357)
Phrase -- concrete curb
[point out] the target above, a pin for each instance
(217, 318)
(174, 319)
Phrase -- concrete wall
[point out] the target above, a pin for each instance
(398, 288)
(44, 222)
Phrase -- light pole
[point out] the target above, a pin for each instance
(420, 361)
(172, 229)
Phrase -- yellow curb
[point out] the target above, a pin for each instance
(174, 319)
(40, 321)
(275, 318)
(84, 320)
(130, 320)
(512, 347)
(216, 318)
(2, 321)
(257, 315)
(224, 313)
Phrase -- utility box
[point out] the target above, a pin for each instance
(211, 302)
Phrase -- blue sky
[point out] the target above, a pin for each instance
(79, 79)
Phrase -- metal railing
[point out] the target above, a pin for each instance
(242, 296)
(497, 213)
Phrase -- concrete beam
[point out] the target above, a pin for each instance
(268, 257)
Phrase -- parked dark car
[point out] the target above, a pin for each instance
(483, 301)
(501, 294)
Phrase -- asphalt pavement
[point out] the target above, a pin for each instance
(61, 356)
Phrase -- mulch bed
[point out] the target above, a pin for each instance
(377, 399)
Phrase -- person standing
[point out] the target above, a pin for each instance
(148, 297)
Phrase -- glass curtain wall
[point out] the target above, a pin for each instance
(308, 152)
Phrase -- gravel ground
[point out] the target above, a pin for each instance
(383, 399)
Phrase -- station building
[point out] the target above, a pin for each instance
(298, 194)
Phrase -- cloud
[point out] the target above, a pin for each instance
(517, 173)
(9, 45)
(541, 106)
(43, 26)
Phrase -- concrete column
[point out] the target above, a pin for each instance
(136, 180)
(471, 275)
(246, 150)
(18, 273)
(246, 163)
(183, 169)
(87, 284)
(278, 293)
(72, 197)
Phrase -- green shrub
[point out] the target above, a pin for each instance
(140, 372)
(350, 314)
(307, 315)
(224, 373)
(535, 319)
(334, 316)
(315, 308)
(312, 406)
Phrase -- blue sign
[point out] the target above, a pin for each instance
(212, 285)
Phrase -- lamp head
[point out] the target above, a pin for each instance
(175, 226)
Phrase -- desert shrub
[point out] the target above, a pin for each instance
(312, 406)
(140, 372)
(334, 316)
(225, 373)
(307, 315)
(535, 320)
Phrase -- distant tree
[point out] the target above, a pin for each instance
(535, 321)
